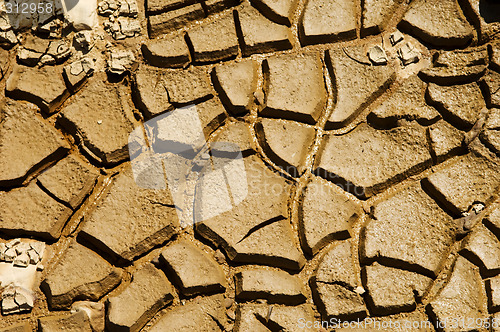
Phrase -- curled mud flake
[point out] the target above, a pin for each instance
(377, 55)
(470, 218)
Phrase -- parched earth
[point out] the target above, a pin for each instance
(272, 165)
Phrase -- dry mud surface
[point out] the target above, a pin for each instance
(272, 165)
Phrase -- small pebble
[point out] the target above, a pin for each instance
(10, 255)
(259, 97)
(13, 243)
(219, 256)
(22, 247)
(478, 207)
(360, 290)
(377, 55)
(34, 258)
(22, 260)
(396, 37)
(156, 261)
(228, 303)
(408, 54)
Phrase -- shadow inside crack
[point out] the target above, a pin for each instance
(270, 324)
(490, 10)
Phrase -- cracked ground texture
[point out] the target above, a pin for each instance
(369, 132)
